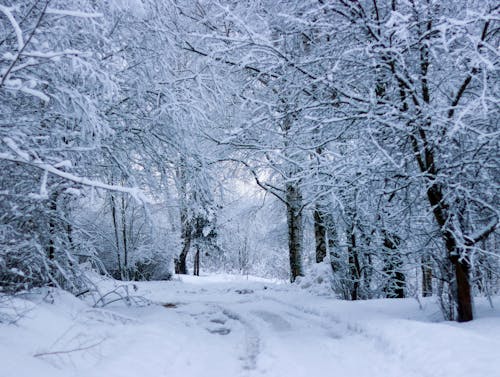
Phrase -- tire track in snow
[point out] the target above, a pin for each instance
(381, 344)
(252, 340)
(271, 327)
(332, 325)
(277, 322)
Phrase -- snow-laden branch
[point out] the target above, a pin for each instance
(483, 233)
(51, 54)
(17, 29)
(24, 157)
(73, 13)
(22, 46)
(18, 85)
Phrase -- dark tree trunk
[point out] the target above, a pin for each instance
(180, 265)
(463, 293)
(332, 242)
(124, 238)
(426, 276)
(196, 269)
(320, 235)
(463, 290)
(367, 274)
(117, 237)
(354, 266)
(52, 226)
(186, 220)
(295, 230)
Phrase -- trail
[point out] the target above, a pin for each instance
(237, 328)
(283, 340)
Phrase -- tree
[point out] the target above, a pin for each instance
(53, 89)
(48, 119)
(438, 119)
(428, 130)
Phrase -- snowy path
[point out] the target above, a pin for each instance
(205, 327)
(286, 341)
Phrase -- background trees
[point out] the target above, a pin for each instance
(49, 124)
(373, 123)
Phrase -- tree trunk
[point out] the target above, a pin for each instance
(124, 238)
(180, 265)
(332, 242)
(426, 276)
(52, 225)
(425, 158)
(463, 293)
(117, 238)
(196, 269)
(463, 296)
(295, 230)
(354, 267)
(395, 287)
(320, 235)
(186, 220)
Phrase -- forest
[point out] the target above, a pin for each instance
(249, 188)
(348, 147)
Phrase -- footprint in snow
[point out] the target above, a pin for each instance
(244, 291)
(219, 330)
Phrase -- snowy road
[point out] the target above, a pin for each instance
(282, 340)
(208, 327)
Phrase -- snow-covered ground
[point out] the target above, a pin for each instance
(229, 326)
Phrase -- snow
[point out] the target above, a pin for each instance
(17, 29)
(226, 325)
(135, 192)
(72, 13)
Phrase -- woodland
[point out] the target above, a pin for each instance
(347, 144)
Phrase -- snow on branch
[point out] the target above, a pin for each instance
(35, 93)
(24, 157)
(482, 233)
(73, 13)
(51, 54)
(17, 29)
(19, 85)
(22, 46)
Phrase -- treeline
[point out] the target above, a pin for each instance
(373, 123)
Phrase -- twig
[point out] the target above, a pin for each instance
(68, 351)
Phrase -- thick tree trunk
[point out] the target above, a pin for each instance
(295, 230)
(463, 293)
(441, 214)
(180, 263)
